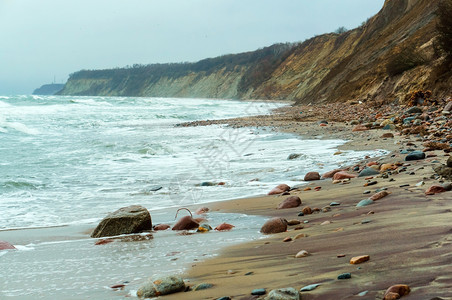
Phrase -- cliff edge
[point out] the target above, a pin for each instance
(392, 54)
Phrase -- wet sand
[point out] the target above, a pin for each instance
(407, 234)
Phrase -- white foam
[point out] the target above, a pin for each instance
(24, 248)
(21, 127)
(4, 104)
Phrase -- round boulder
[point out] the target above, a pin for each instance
(186, 223)
(290, 202)
(161, 286)
(126, 220)
(274, 225)
(311, 176)
(281, 188)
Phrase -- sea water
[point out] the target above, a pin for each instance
(68, 161)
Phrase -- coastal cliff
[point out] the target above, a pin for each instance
(390, 55)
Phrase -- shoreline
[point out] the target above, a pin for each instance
(407, 234)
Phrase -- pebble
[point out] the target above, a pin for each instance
(364, 202)
(224, 298)
(287, 239)
(325, 223)
(302, 253)
(335, 204)
(299, 236)
(415, 155)
(283, 294)
(309, 287)
(435, 189)
(258, 292)
(345, 276)
(396, 291)
(249, 273)
(362, 294)
(202, 286)
(370, 183)
(379, 195)
(404, 185)
(301, 214)
(368, 172)
(359, 259)
(293, 222)
(366, 192)
(366, 221)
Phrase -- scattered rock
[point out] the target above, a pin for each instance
(293, 156)
(293, 222)
(126, 220)
(311, 176)
(325, 223)
(186, 223)
(359, 259)
(202, 210)
(368, 172)
(302, 253)
(387, 135)
(224, 227)
(309, 287)
(161, 227)
(396, 291)
(202, 286)
(6, 246)
(344, 276)
(300, 235)
(360, 128)
(435, 189)
(335, 204)
(379, 195)
(283, 294)
(287, 239)
(444, 171)
(342, 175)
(415, 155)
(364, 202)
(274, 225)
(306, 210)
(224, 298)
(330, 174)
(279, 189)
(258, 292)
(414, 110)
(104, 241)
(204, 228)
(290, 202)
(161, 286)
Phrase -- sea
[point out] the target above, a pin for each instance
(67, 161)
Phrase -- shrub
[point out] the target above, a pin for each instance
(341, 30)
(444, 26)
(404, 59)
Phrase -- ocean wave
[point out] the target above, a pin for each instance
(90, 102)
(4, 104)
(18, 127)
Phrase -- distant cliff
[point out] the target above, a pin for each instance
(393, 53)
(49, 89)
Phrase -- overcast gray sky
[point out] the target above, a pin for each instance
(43, 39)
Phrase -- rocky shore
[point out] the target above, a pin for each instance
(379, 229)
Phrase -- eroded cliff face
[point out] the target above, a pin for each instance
(330, 67)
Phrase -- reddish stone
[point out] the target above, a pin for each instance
(311, 176)
(331, 173)
(343, 175)
(307, 210)
(387, 135)
(279, 189)
(307, 189)
(274, 225)
(435, 189)
(385, 167)
(186, 223)
(379, 195)
(359, 259)
(161, 227)
(372, 163)
(224, 227)
(396, 291)
(323, 124)
(290, 202)
(5, 245)
(202, 210)
(360, 128)
(317, 188)
(103, 241)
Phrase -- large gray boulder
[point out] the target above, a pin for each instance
(126, 220)
(161, 286)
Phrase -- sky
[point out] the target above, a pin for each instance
(43, 41)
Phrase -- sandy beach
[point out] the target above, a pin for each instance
(407, 234)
